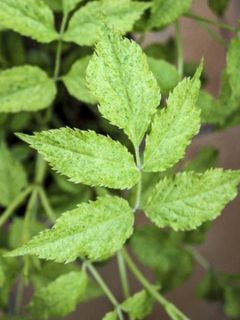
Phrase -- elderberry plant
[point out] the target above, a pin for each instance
(59, 224)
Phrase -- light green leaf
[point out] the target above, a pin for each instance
(159, 250)
(119, 78)
(25, 88)
(75, 81)
(12, 176)
(55, 5)
(205, 159)
(189, 199)
(86, 157)
(31, 18)
(166, 74)
(88, 22)
(60, 297)
(233, 72)
(218, 6)
(139, 306)
(165, 12)
(69, 5)
(173, 127)
(95, 230)
(110, 316)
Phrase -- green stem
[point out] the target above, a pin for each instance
(217, 37)
(19, 295)
(168, 306)
(105, 288)
(40, 170)
(123, 274)
(139, 186)
(180, 62)
(212, 22)
(46, 205)
(14, 205)
(28, 215)
(198, 257)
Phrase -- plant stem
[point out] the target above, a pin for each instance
(40, 170)
(46, 205)
(198, 257)
(212, 22)
(123, 274)
(28, 215)
(150, 288)
(105, 288)
(139, 186)
(217, 37)
(180, 62)
(14, 205)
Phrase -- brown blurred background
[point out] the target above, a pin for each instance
(221, 248)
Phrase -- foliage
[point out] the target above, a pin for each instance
(113, 121)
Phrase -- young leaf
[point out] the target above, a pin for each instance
(119, 78)
(75, 81)
(166, 74)
(32, 18)
(218, 6)
(233, 72)
(12, 176)
(159, 250)
(25, 88)
(189, 199)
(88, 22)
(111, 316)
(55, 5)
(139, 306)
(173, 127)
(86, 157)
(95, 230)
(69, 5)
(60, 297)
(165, 12)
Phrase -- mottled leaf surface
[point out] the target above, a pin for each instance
(86, 157)
(173, 127)
(88, 22)
(189, 199)
(94, 230)
(75, 81)
(119, 77)
(32, 18)
(25, 88)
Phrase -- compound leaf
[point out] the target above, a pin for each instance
(32, 18)
(118, 76)
(25, 88)
(165, 73)
(75, 81)
(173, 127)
(139, 306)
(86, 157)
(12, 176)
(95, 230)
(60, 297)
(189, 199)
(88, 22)
(165, 12)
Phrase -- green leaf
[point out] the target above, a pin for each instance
(233, 72)
(218, 6)
(69, 5)
(25, 88)
(206, 159)
(231, 302)
(88, 22)
(86, 157)
(31, 18)
(75, 81)
(60, 297)
(189, 199)
(165, 12)
(119, 78)
(139, 306)
(173, 127)
(12, 176)
(111, 316)
(165, 73)
(159, 250)
(55, 5)
(95, 230)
